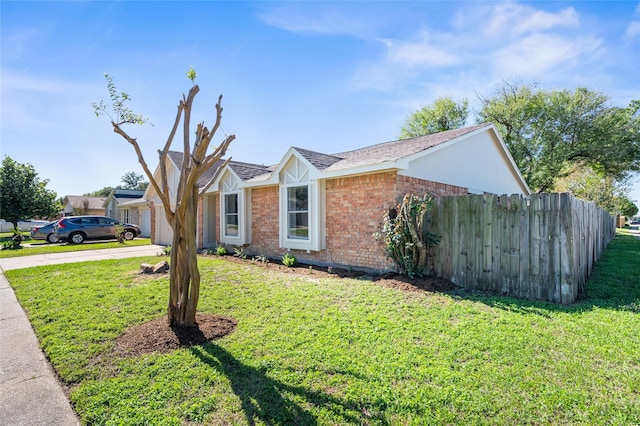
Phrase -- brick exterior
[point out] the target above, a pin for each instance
(407, 185)
(264, 221)
(152, 207)
(355, 207)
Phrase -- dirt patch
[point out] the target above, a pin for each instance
(157, 336)
(390, 280)
(420, 284)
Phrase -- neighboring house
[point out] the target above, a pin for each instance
(74, 205)
(113, 205)
(137, 211)
(325, 208)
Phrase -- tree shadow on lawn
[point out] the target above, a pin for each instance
(265, 399)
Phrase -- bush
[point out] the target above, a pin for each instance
(120, 233)
(10, 245)
(405, 235)
(221, 251)
(289, 260)
(239, 253)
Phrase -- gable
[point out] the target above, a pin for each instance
(479, 162)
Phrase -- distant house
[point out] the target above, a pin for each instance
(74, 205)
(325, 207)
(137, 211)
(113, 203)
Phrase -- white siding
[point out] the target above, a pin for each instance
(164, 233)
(145, 222)
(476, 163)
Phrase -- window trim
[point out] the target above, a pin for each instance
(289, 212)
(316, 217)
(244, 219)
(126, 215)
(226, 214)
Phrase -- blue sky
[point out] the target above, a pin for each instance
(327, 76)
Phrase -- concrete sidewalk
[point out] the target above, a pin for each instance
(30, 393)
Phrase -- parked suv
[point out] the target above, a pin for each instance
(76, 229)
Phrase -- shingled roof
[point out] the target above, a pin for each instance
(319, 160)
(370, 155)
(176, 157)
(77, 202)
(375, 154)
(395, 150)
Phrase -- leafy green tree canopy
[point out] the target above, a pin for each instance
(104, 192)
(443, 114)
(133, 180)
(23, 195)
(547, 131)
(607, 192)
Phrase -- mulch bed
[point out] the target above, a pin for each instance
(157, 336)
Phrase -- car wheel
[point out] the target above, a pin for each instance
(76, 238)
(129, 235)
(52, 238)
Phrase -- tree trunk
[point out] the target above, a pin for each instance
(184, 275)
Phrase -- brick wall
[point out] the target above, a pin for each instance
(152, 207)
(264, 221)
(407, 185)
(355, 207)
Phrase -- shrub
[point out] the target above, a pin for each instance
(221, 251)
(405, 235)
(10, 245)
(14, 242)
(239, 253)
(120, 233)
(289, 260)
(261, 258)
(167, 250)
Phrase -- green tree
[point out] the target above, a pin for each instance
(181, 214)
(23, 195)
(443, 114)
(132, 180)
(548, 131)
(607, 192)
(104, 192)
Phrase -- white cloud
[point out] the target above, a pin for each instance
(519, 19)
(22, 81)
(297, 18)
(633, 30)
(538, 54)
(15, 44)
(422, 52)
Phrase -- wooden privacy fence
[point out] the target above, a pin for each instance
(541, 246)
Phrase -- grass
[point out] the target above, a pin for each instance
(310, 350)
(40, 247)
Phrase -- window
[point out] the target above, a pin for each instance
(235, 219)
(301, 208)
(125, 215)
(231, 215)
(298, 212)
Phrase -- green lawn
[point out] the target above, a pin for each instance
(31, 247)
(311, 350)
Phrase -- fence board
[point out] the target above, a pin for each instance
(538, 247)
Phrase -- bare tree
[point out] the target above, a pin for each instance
(184, 290)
